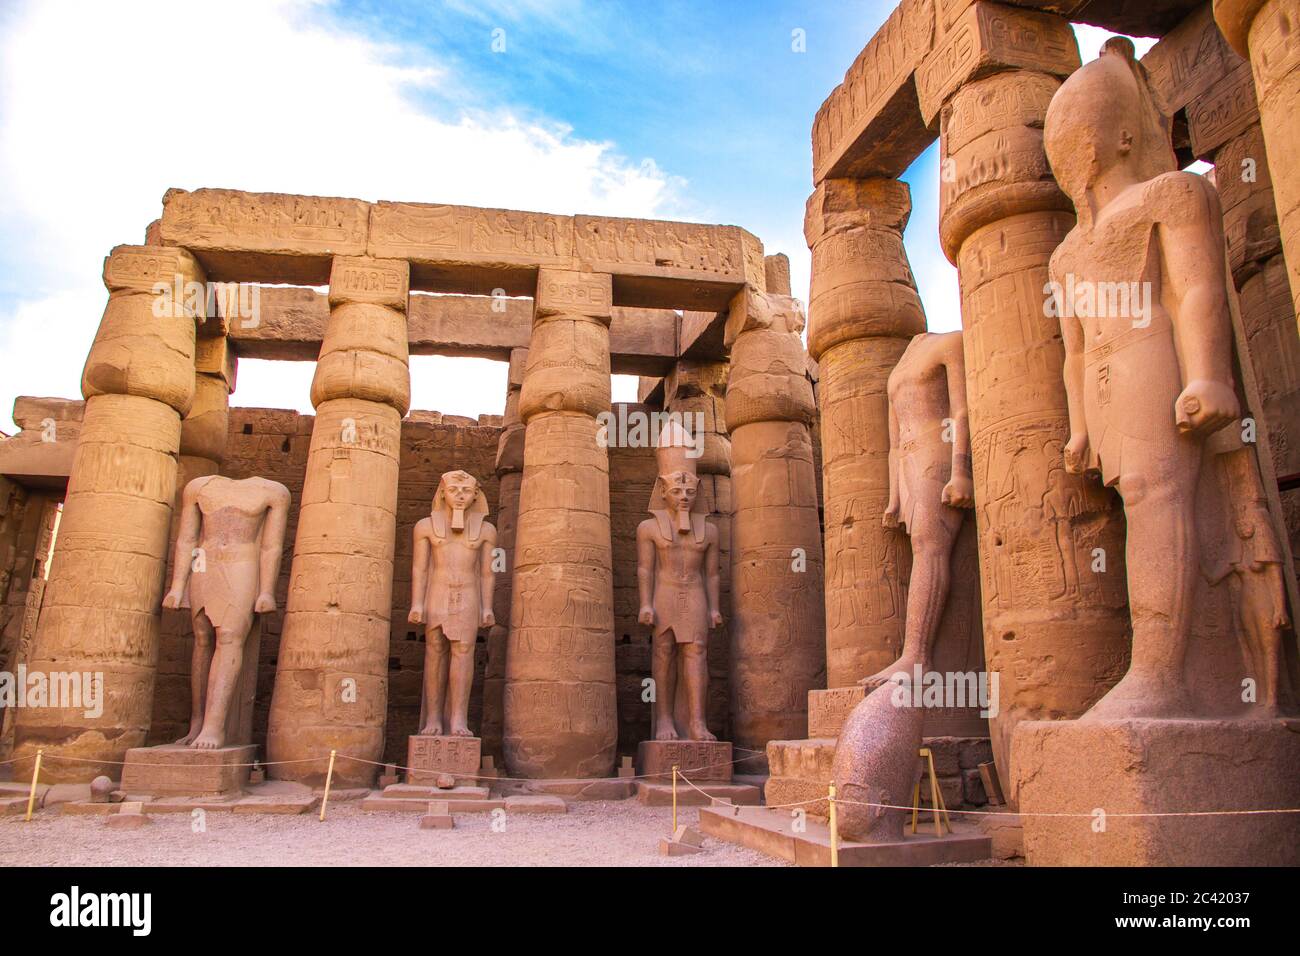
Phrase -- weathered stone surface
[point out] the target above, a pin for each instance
(988, 38)
(1171, 769)
(559, 693)
(184, 770)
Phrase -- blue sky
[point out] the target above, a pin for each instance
(697, 111)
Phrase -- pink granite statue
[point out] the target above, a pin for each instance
(227, 561)
(451, 595)
(677, 575)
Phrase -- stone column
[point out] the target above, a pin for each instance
(104, 593)
(863, 312)
(1055, 624)
(203, 449)
(331, 682)
(697, 390)
(1241, 173)
(560, 695)
(1265, 31)
(777, 620)
(510, 476)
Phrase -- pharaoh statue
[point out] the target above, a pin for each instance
(929, 482)
(875, 765)
(451, 595)
(678, 579)
(227, 561)
(1149, 376)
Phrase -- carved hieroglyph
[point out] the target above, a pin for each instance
(331, 688)
(1265, 31)
(678, 584)
(226, 564)
(101, 607)
(778, 619)
(560, 694)
(1054, 623)
(863, 312)
(451, 595)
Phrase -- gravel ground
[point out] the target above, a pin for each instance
(616, 833)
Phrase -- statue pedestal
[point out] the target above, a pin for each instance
(176, 770)
(1158, 766)
(429, 756)
(700, 760)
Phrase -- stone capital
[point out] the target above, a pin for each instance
(1235, 18)
(142, 268)
(874, 202)
(372, 281)
(565, 292)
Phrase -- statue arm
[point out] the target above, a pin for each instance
(713, 578)
(277, 519)
(645, 571)
(960, 490)
(1196, 294)
(419, 572)
(487, 578)
(187, 539)
(1076, 449)
(892, 509)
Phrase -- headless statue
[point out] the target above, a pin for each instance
(226, 563)
(929, 482)
(677, 576)
(451, 595)
(1148, 387)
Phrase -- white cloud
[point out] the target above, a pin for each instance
(104, 106)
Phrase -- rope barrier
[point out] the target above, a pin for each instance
(42, 755)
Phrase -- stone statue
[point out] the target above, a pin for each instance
(227, 561)
(1140, 287)
(451, 595)
(677, 575)
(929, 482)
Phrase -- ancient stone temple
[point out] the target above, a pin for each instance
(838, 562)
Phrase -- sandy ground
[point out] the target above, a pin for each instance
(616, 833)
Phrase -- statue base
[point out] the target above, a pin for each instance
(173, 769)
(1158, 766)
(774, 832)
(429, 757)
(698, 760)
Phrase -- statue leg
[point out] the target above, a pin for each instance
(227, 661)
(663, 668)
(200, 663)
(934, 532)
(1161, 553)
(696, 667)
(461, 670)
(435, 680)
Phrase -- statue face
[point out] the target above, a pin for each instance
(1090, 124)
(460, 493)
(680, 491)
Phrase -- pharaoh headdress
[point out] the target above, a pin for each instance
(676, 467)
(471, 519)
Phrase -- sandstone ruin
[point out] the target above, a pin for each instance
(1087, 501)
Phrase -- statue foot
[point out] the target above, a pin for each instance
(185, 741)
(907, 665)
(700, 732)
(666, 732)
(432, 729)
(1142, 695)
(208, 741)
(461, 730)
